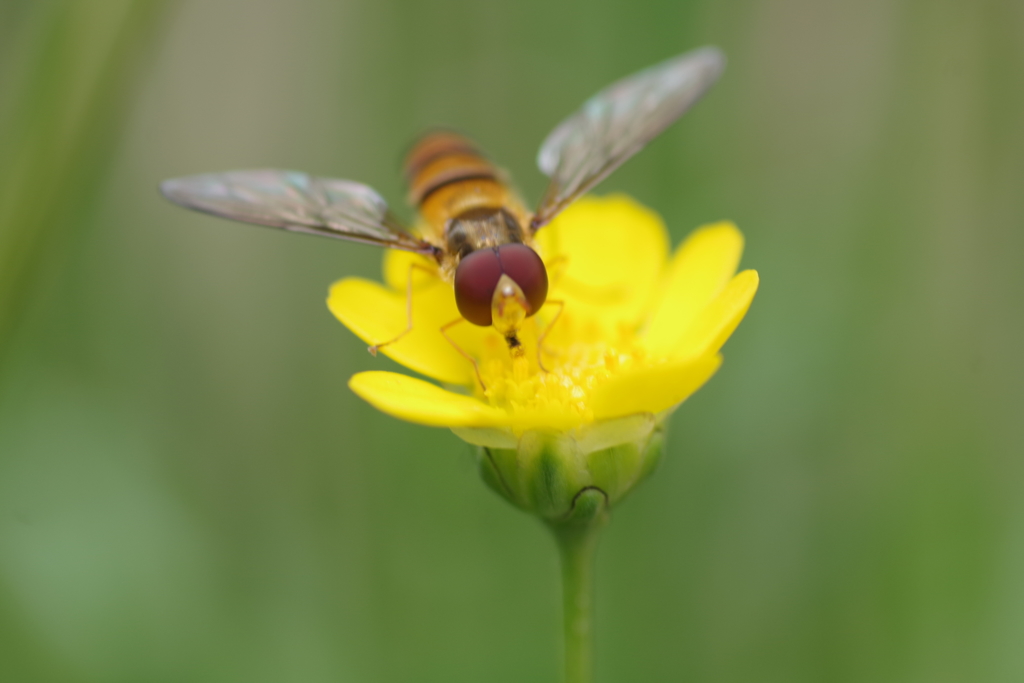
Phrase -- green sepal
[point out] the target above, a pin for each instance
(551, 474)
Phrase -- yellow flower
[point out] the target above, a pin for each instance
(638, 333)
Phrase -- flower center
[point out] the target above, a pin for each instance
(570, 374)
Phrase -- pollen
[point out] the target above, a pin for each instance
(568, 379)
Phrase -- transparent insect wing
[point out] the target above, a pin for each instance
(296, 202)
(617, 122)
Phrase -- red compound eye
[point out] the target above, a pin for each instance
(475, 279)
(524, 266)
(478, 273)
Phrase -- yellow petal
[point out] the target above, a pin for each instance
(419, 401)
(605, 258)
(652, 389)
(700, 269)
(397, 269)
(377, 314)
(717, 321)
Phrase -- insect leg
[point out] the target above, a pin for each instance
(373, 349)
(544, 334)
(476, 367)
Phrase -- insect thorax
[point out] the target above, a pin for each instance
(481, 227)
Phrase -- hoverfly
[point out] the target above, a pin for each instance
(475, 227)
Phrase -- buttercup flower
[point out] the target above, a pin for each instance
(637, 333)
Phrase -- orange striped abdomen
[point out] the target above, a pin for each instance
(448, 176)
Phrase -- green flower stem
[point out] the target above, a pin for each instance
(577, 553)
(577, 543)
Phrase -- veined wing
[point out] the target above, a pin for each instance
(617, 122)
(296, 202)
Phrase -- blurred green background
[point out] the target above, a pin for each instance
(189, 492)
